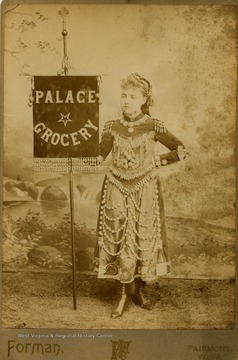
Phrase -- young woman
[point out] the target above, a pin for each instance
(132, 245)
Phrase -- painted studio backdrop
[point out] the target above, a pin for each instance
(189, 55)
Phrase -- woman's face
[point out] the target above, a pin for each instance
(132, 99)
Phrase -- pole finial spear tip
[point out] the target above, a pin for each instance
(63, 12)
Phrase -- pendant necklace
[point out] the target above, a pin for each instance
(131, 124)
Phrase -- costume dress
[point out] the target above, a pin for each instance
(131, 226)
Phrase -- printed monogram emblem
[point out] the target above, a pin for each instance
(120, 349)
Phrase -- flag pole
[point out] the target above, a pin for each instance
(64, 71)
(71, 197)
(65, 63)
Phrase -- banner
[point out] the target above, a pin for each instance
(66, 116)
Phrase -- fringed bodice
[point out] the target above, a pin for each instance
(132, 156)
(133, 151)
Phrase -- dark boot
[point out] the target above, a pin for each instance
(139, 297)
(122, 303)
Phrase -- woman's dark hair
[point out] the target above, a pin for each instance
(137, 81)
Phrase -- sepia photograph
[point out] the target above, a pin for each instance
(119, 179)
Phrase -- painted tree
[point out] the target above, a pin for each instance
(214, 86)
(26, 33)
(217, 134)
